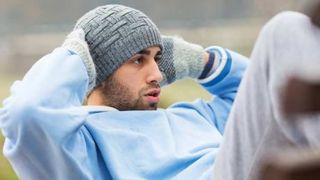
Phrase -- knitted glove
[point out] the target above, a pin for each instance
(75, 42)
(180, 59)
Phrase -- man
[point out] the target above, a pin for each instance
(116, 59)
(287, 46)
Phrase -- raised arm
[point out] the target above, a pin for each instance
(217, 69)
(42, 118)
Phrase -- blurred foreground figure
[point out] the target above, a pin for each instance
(302, 92)
(258, 126)
(116, 58)
(301, 96)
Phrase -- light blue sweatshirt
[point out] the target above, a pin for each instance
(50, 135)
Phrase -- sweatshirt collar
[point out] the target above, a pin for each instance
(91, 108)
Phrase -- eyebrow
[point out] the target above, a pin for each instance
(147, 52)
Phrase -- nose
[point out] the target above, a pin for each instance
(154, 72)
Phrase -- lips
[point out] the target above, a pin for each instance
(153, 96)
(155, 93)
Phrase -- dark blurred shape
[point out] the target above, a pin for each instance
(314, 14)
(301, 96)
(302, 164)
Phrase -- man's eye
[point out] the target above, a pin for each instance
(157, 58)
(138, 61)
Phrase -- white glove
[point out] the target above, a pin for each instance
(180, 59)
(76, 43)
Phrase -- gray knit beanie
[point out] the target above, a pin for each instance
(114, 34)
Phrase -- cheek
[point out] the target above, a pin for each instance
(133, 85)
(132, 79)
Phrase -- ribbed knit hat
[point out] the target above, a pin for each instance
(114, 34)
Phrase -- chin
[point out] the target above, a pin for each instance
(151, 107)
(154, 106)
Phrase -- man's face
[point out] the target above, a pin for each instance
(135, 85)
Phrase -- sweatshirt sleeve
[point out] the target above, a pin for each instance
(41, 118)
(223, 84)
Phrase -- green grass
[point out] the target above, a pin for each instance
(184, 90)
(6, 172)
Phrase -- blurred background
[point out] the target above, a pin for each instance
(31, 28)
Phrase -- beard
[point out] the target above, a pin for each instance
(119, 96)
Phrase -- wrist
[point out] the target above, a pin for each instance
(209, 59)
(206, 57)
(221, 65)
